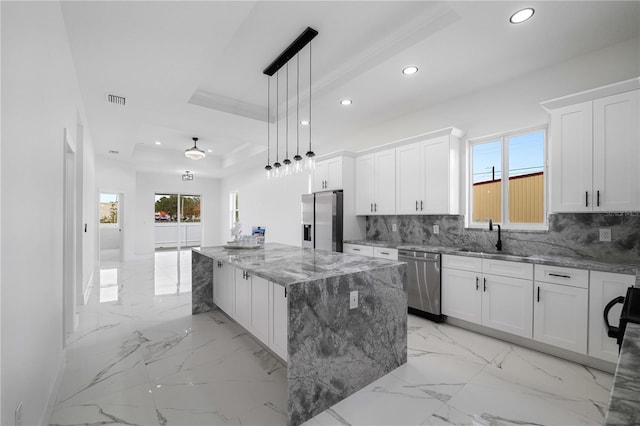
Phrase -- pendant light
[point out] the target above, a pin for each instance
(297, 158)
(268, 167)
(194, 153)
(310, 162)
(283, 59)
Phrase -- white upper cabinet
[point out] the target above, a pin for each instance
(375, 183)
(595, 152)
(327, 175)
(427, 176)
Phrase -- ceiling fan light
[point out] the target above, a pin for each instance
(194, 153)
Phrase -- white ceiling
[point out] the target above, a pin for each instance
(195, 68)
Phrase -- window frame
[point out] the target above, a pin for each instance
(234, 208)
(504, 138)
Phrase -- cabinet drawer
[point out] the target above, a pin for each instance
(385, 253)
(358, 249)
(464, 263)
(507, 268)
(561, 275)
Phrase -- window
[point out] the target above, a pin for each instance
(234, 211)
(508, 180)
(109, 209)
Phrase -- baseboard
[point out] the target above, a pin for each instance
(53, 392)
(589, 361)
(88, 289)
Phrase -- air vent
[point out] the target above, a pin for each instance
(118, 100)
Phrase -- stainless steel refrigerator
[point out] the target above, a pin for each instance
(322, 220)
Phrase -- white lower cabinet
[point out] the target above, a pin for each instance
(243, 298)
(560, 316)
(604, 287)
(500, 302)
(362, 250)
(223, 286)
(278, 315)
(260, 308)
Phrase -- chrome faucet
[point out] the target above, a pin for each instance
(499, 243)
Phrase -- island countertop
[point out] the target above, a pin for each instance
(285, 265)
(624, 403)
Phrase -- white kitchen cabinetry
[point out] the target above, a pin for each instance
(358, 249)
(223, 287)
(502, 302)
(560, 307)
(595, 152)
(376, 183)
(242, 298)
(278, 337)
(327, 175)
(260, 308)
(427, 177)
(604, 287)
(385, 253)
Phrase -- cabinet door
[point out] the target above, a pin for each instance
(319, 176)
(385, 182)
(604, 287)
(507, 304)
(560, 316)
(278, 337)
(571, 158)
(364, 184)
(408, 179)
(461, 295)
(435, 176)
(334, 173)
(228, 286)
(217, 283)
(260, 309)
(242, 299)
(616, 152)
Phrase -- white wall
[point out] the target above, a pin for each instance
(39, 100)
(272, 204)
(148, 184)
(88, 203)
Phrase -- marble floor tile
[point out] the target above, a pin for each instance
(140, 358)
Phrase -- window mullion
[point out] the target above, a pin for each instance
(505, 180)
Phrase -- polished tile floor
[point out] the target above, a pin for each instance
(140, 358)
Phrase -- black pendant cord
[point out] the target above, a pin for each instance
(277, 163)
(286, 160)
(268, 166)
(310, 154)
(297, 156)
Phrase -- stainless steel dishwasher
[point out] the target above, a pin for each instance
(423, 282)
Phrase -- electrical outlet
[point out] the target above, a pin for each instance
(353, 299)
(18, 419)
(394, 227)
(605, 234)
(436, 229)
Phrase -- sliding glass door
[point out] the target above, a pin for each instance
(177, 221)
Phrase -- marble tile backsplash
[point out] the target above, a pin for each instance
(570, 234)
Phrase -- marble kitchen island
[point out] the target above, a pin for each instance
(331, 350)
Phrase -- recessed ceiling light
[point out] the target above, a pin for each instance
(158, 143)
(346, 102)
(521, 15)
(304, 122)
(209, 150)
(410, 70)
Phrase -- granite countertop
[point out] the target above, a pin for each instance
(624, 402)
(569, 262)
(286, 265)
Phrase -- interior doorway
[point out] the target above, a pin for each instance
(177, 221)
(110, 219)
(69, 271)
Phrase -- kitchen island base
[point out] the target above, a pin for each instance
(332, 350)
